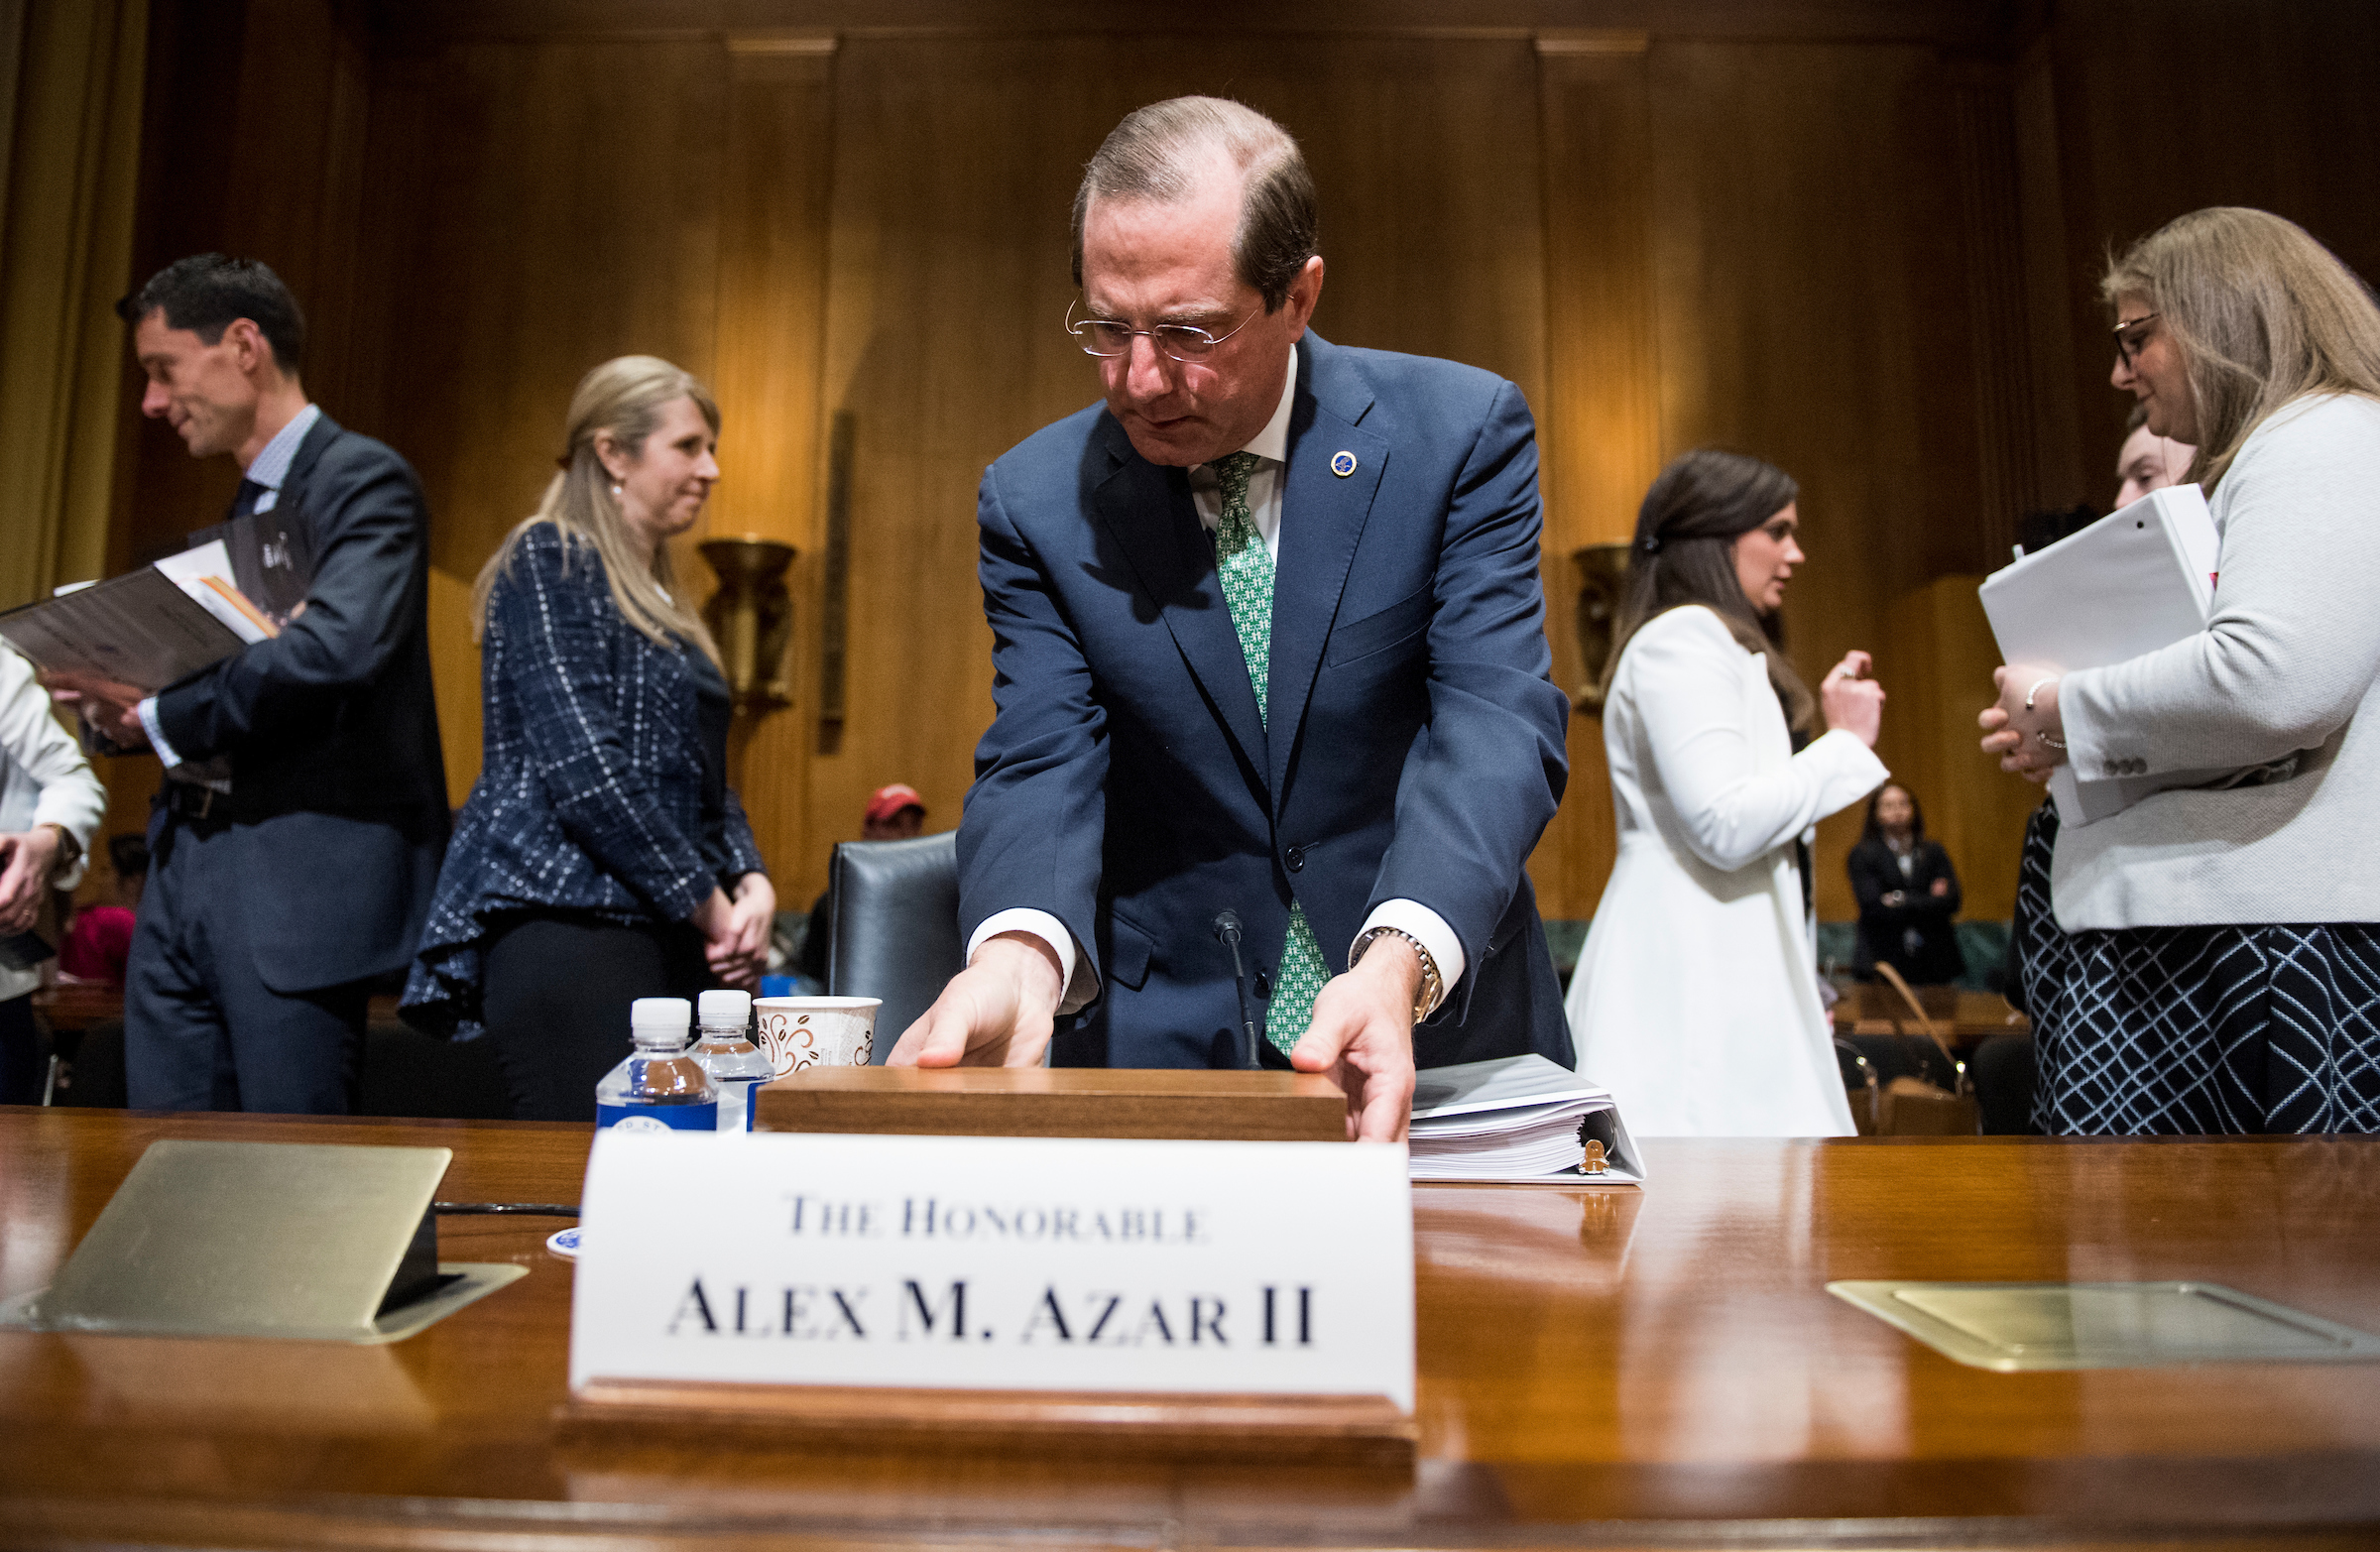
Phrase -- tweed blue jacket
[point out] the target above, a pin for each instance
(591, 793)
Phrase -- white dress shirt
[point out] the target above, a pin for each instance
(270, 468)
(1424, 925)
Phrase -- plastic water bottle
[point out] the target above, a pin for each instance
(734, 1064)
(661, 1086)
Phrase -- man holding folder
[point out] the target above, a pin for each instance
(297, 837)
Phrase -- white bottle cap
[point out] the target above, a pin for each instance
(731, 1008)
(661, 1012)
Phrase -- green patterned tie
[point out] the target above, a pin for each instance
(1246, 573)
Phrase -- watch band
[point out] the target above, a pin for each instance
(69, 850)
(1433, 987)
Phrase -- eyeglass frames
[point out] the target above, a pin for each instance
(2128, 345)
(1107, 337)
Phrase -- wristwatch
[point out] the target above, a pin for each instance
(69, 850)
(1433, 988)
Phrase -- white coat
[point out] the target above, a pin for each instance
(1695, 998)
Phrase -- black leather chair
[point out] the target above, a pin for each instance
(892, 927)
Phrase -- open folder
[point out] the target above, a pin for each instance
(238, 582)
(2132, 582)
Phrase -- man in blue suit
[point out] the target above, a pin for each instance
(1269, 641)
(295, 839)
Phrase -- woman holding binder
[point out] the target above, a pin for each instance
(1696, 999)
(602, 856)
(2216, 963)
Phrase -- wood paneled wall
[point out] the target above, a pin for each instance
(1854, 238)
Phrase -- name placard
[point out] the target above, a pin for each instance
(997, 1263)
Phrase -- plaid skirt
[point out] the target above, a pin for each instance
(2256, 1028)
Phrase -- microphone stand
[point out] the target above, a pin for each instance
(1227, 933)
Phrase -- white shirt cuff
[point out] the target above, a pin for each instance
(147, 712)
(1074, 967)
(1428, 929)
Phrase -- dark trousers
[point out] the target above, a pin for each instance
(19, 1053)
(201, 1029)
(554, 998)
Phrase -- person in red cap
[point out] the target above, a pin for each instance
(894, 813)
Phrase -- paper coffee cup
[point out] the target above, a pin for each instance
(816, 1031)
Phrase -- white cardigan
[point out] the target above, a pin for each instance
(1696, 997)
(43, 779)
(2289, 662)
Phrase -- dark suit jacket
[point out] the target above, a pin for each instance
(1126, 784)
(338, 786)
(1883, 929)
(595, 795)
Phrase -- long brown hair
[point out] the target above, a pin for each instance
(1685, 553)
(2264, 315)
(623, 397)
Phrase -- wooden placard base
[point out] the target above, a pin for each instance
(1057, 1102)
(1278, 1430)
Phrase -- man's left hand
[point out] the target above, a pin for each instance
(1362, 1036)
(107, 706)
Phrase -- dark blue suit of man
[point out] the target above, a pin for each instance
(1357, 531)
(1413, 747)
(296, 839)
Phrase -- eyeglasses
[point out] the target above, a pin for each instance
(2129, 345)
(1108, 337)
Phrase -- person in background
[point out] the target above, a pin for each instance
(101, 940)
(602, 856)
(297, 830)
(1908, 892)
(50, 806)
(2214, 961)
(1696, 999)
(894, 813)
(2147, 461)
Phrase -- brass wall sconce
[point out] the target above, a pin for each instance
(1602, 578)
(750, 617)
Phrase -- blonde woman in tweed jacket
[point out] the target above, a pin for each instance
(602, 856)
(2215, 965)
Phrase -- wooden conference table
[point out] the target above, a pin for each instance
(1599, 1366)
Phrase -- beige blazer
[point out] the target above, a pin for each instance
(2289, 664)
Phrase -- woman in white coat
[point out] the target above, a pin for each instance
(50, 806)
(1696, 999)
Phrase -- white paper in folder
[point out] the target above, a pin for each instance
(2130, 583)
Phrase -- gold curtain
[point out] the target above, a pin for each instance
(71, 80)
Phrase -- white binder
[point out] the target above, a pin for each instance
(2130, 583)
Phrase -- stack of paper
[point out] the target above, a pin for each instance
(1518, 1119)
(2130, 583)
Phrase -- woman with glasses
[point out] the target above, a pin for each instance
(1695, 998)
(602, 856)
(2215, 961)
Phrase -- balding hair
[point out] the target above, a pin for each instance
(1159, 153)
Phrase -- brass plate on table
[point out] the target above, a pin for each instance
(302, 1241)
(2016, 1326)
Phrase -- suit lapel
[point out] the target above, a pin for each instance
(302, 464)
(1149, 511)
(1323, 514)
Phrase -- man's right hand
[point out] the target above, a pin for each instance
(996, 1013)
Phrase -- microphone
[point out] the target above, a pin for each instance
(1227, 933)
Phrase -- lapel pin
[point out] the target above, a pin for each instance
(1342, 464)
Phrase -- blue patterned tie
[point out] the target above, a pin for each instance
(1246, 570)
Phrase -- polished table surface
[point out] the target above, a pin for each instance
(1599, 1367)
